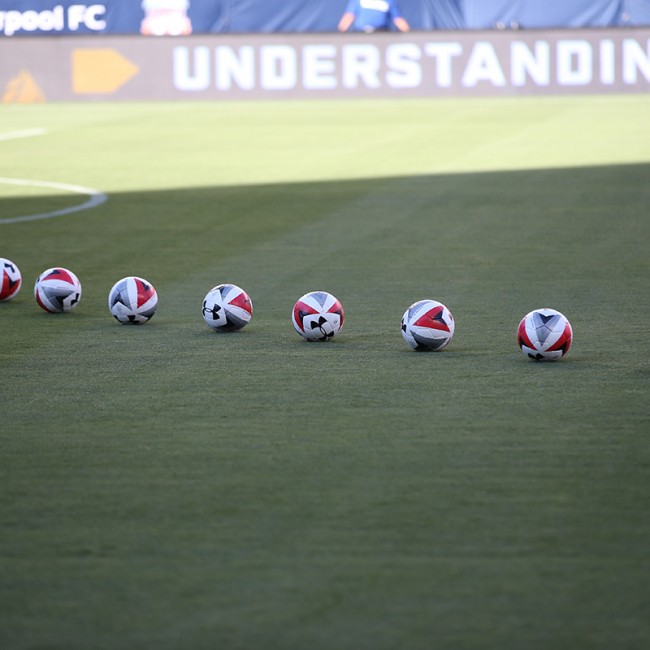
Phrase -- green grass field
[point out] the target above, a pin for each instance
(168, 487)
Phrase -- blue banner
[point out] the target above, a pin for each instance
(185, 17)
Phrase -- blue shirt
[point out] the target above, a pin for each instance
(370, 15)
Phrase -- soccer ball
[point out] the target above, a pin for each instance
(227, 308)
(57, 290)
(318, 316)
(10, 279)
(427, 325)
(132, 300)
(544, 334)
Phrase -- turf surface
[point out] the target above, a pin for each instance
(167, 487)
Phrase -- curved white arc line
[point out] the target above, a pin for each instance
(96, 198)
(25, 133)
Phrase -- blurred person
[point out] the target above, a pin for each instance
(165, 18)
(371, 16)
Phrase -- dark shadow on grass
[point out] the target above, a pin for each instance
(258, 210)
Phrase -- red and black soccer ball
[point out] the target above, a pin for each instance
(57, 290)
(544, 335)
(318, 316)
(10, 279)
(133, 300)
(427, 325)
(227, 308)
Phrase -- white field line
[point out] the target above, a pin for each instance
(26, 133)
(96, 198)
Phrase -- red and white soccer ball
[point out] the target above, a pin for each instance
(57, 290)
(10, 279)
(133, 300)
(318, 316)
(227, 308)
(427, 325)
(544, 335)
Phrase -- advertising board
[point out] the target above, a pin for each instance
(435, 64)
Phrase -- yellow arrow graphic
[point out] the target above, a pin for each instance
(100, 71)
